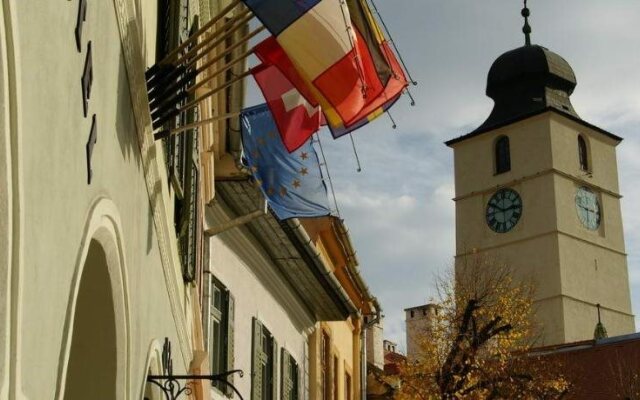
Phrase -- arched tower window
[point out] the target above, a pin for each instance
(583, 154)
(502, 154)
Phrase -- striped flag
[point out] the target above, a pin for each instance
(330, 56)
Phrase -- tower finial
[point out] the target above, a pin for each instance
(526, 29)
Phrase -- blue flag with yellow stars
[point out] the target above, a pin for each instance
(291, 182)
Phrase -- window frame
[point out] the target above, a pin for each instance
(502, 155)
(264, 363)
(348, 383)
(325, 367)
(223, 315)
(583, 154)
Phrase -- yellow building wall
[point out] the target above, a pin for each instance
(344, 347)
(572, 267)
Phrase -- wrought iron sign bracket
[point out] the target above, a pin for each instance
(172, 387)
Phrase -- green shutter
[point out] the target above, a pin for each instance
(274, 368)
(230, 340)
(284, 375)
(256, 362)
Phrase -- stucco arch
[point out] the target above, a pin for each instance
(10, 205)
(102, 231)
(153, 366)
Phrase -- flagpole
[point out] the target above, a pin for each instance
(162, 115)
(167, 59)
(172, 88)
(393, 43)
(156, 81)
(240, 24)
(219, 71)
(170, 132)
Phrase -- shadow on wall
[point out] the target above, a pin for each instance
(125, 121)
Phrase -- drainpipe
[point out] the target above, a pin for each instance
(363, 344)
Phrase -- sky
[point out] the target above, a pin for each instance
(399, 208)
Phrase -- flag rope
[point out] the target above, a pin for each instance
(394, 126)
(326, 167)
(356, 57)
(355, 152)
(393, 43)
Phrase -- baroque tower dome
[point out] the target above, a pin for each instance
(527, 80)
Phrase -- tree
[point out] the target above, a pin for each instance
(476, 345)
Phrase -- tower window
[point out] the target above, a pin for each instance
(503, 156)
(583, 154)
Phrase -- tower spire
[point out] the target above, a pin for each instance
(526, 29)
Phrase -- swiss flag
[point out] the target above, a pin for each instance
(296, 119)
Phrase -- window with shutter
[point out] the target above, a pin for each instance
(221, 336)
(336, 378)
(347, 386)
(289, 377)
(264, 364)
(230, 354)
(256, 362)
(273, 372)
(325, 354)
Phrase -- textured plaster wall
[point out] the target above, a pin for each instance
(57, 199)
(5, 211)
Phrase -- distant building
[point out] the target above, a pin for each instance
(418, 320)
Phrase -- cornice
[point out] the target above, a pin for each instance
(545, 172)
(537, 236)
(243, 244)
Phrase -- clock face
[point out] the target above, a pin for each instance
(504, 210)
(588, 208)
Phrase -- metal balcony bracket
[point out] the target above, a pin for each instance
(171, 385)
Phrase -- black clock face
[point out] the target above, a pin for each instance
(504, 210)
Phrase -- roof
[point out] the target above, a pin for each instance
(522, 117)
(421, 307)
(598, 369)
(525, 82)
(315, 286)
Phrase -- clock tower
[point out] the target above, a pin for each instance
(536, 188)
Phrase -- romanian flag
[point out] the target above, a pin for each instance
(294, 116)
(330, 57)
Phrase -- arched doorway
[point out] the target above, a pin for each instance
(92, 365)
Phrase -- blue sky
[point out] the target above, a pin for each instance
(399, 209)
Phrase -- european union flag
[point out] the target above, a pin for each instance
(291, 182)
